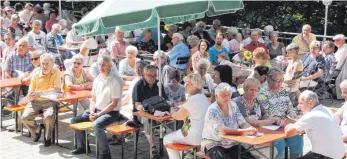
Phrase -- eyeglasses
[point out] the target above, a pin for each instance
(77, 63)
(277, 80)
(34, 59)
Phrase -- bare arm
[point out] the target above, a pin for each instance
(315, 75)
(181, 114)
(110, 107)
(267, 120)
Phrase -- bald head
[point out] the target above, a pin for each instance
(306, 29)
(254, 36)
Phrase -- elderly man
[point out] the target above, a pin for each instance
(216, 27)
(255, 43)
(304, 39)
(72, 38)
(146, 88)
(53, 38)
(201, 33)
(46, 81)
(119, 45)
(217, 49)
(341, 114)
(267, 31)
(19, 61)
(104, 107)
(248, 34)
(276, 103)
(313, 67)
(321, 127)
(341, 53)
(36, 37)
(224, 117)
(180, 50)
(94, 68)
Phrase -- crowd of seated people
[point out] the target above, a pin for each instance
(198, 70)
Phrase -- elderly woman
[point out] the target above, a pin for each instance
(127, 65)
(203, 47)
(233, 43)
(321, 127)
(260, 58)
(314, 65)
(192, 113)
(341, 114)
(167, 44)
(147, 45)
(252, 110)
(63, 26)
(201, 32)
(76, 78)
(193, 44)
(203, 67)
(224, 117)
(8, 16)
(53, 38)
(16, 28)
(275, 48)
(276, 103)
(330, 60)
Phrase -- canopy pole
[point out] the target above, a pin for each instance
(61, 16)
(159, 57)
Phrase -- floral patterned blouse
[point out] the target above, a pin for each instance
(178, 96)
(148, 46)
(214, 117)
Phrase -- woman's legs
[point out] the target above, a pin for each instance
(174, 137)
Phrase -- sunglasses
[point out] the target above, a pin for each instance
(77, 63)
(34, 59)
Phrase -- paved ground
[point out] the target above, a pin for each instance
(16, 146)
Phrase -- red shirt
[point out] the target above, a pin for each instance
(251, 47)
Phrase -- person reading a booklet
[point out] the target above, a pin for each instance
(253, 111)
(46, 80)
(276, 103)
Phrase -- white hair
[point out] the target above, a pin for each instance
(232, 30)
(315, 44)
(160, 54)
(63, 22)
(222, 87)
(131, 48)
(77, 57)
(46, 5)
(105, 58)
(250, 81)
(46, 56)
(173, 27)
(343, 84)
(204, 61)
(309, 96)
(258, 30)
(56, 27)
(268, 29)
(180, 37)
(37, 52)
(200, 23)
(37, 22)
(292, 47)
(22, 40)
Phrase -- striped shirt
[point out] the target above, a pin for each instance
(16, 62)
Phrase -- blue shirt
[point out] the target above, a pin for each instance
(51, 40)
(154, 37)
(213, 52)
(311, 65)
(16, 62)
(179, 50)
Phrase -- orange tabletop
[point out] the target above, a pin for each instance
(11, 82)
(75, 95)
(152, 117)
(268, 137)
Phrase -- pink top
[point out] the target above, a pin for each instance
(49, 24)
(118, 48)
(235, 46)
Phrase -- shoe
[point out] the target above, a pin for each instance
(38, 135)
(48, 143)
(105, 156)
(78, 151)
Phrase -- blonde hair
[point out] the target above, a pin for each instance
(260, 52)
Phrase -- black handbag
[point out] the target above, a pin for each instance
(155, 103)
